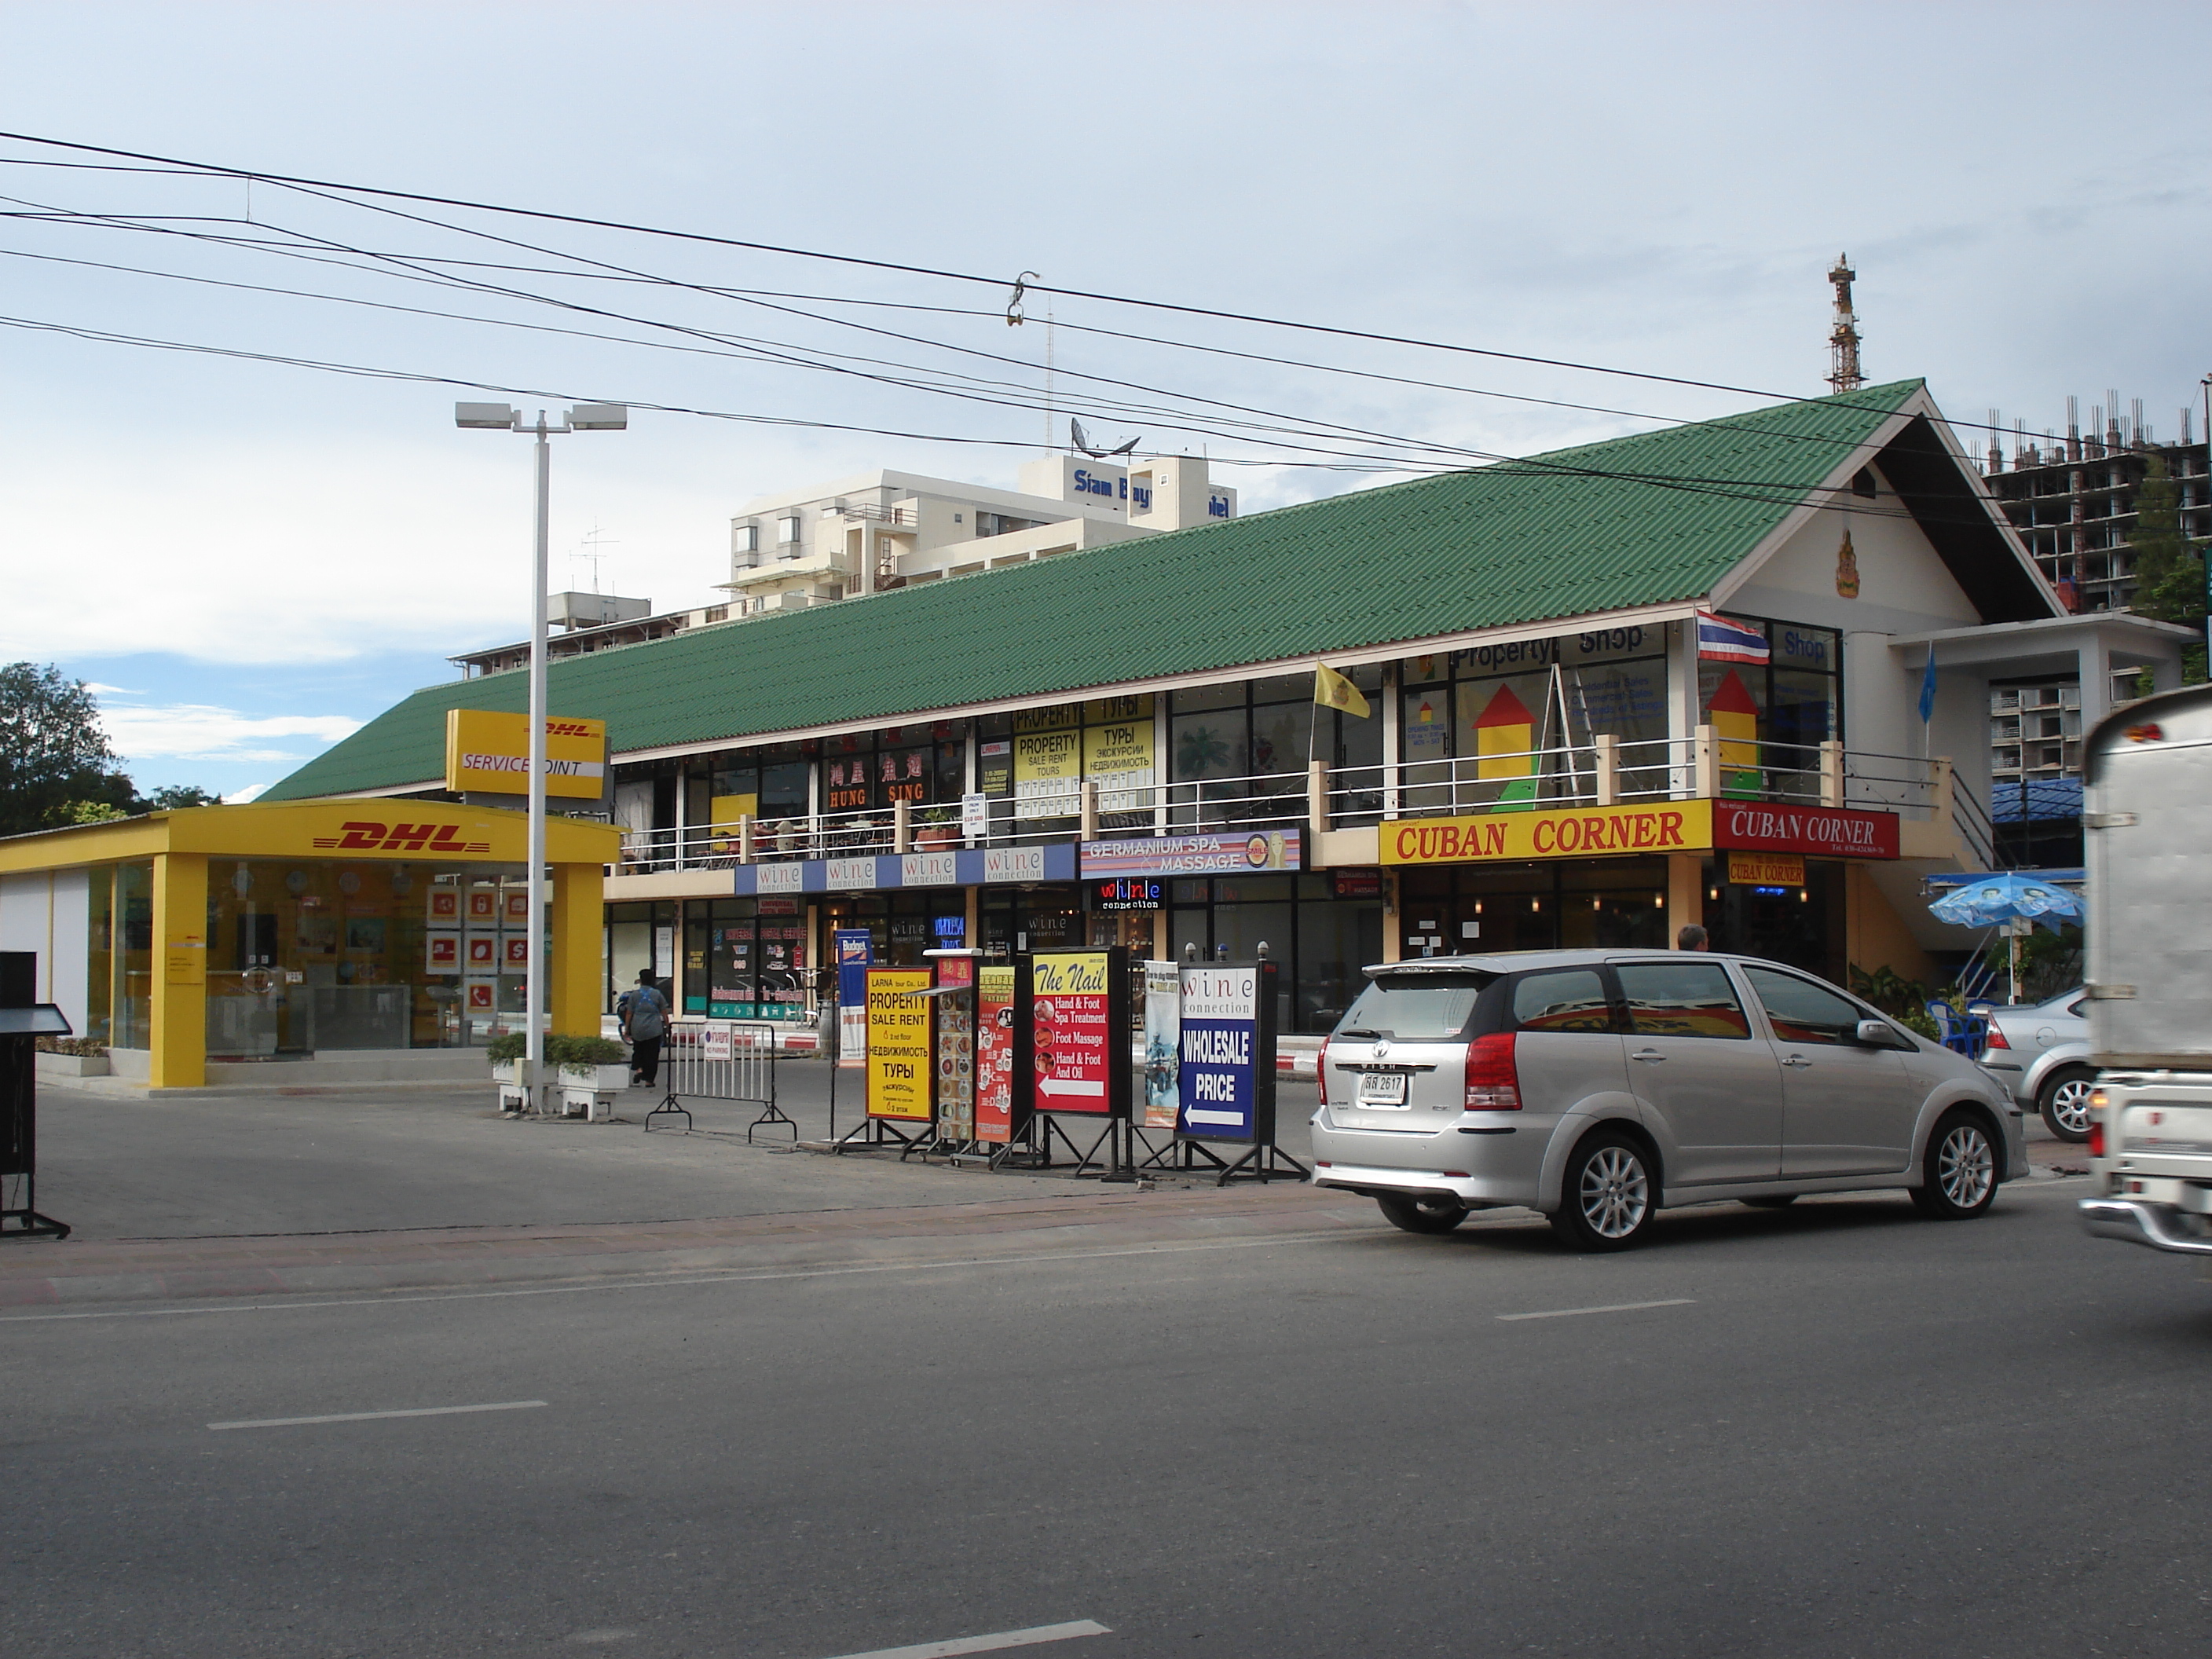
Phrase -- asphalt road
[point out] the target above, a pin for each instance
(1840, 1430)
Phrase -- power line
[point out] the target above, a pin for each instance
(300, 182)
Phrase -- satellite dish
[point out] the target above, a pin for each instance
(1081, 440)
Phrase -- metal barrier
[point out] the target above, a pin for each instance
(721, 1060)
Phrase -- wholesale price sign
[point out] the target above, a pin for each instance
(901, 1053)
(1079, 1031)
(1226, 1059)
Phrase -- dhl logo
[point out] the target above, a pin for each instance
(363, 837)
(569, 729)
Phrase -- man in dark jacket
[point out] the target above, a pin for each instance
(644, 1016)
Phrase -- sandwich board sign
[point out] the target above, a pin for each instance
(1226, 1053)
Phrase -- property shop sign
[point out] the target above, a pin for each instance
(901, 1052)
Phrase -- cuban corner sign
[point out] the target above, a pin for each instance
(1163, 1045)
(491, 753)
(1682, 826)
(1228, 1052)
(900, 1054)
(994, 1054)
(1077, 1024)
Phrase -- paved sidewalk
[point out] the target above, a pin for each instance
(79, 1274)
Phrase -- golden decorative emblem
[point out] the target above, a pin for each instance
(1847, 570)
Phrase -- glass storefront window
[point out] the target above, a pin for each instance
(134, 955)
(312, 957)
(100, 957)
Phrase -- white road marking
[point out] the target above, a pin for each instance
(363, 1417)
(735, 1276)
(1005, 1638)
(1616, 1307)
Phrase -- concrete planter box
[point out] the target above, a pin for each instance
(72, 1066)
(508, 1071)
(603, 1079)
(592, 1105)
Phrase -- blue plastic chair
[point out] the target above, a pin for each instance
(1960, 1035)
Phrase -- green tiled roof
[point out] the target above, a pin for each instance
(1647, 519)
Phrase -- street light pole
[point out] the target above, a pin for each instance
(533, 972)
(499, 417)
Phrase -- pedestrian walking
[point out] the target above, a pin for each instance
(1692, 938)
(643, 1013)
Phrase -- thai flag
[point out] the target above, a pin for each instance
(1720, 640)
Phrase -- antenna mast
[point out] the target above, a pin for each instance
(1844, 338)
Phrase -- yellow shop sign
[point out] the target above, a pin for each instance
(491, 753)
(1681, 826)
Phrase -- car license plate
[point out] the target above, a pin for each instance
(1383, 1089)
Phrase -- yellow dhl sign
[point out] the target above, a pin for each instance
(1682, 826)
(491, 753)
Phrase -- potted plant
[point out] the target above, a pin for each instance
(936, 827)
(505, 1053)
(592, 1070)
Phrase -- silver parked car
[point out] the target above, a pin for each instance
(2040, 1052)
(1599, 1086)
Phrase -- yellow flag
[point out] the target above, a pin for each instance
(1332, 690)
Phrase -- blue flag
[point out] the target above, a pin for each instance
(1927, 688)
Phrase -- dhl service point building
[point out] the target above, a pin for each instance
(1600, 693)
(355, 942)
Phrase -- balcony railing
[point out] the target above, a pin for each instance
(1604, 773)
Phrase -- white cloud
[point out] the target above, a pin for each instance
(100, 690)
(202, 732)
(239, 797)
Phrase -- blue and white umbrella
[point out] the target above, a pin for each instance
(1988, 900)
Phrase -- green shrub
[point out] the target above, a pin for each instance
(83, 1048)
(559, 1050)
(585, 1051)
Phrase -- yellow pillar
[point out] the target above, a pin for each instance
(178, 1017)
(579, 914)
(1685, 893)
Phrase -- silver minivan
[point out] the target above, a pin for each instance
(1599, 1086)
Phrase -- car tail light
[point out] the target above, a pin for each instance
(1493, 1083)
(1995, 1039)
(1320, 1071)
(2097, 1139)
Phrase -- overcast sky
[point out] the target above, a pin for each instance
(252, 557)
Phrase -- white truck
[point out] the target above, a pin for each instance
(2147, 819)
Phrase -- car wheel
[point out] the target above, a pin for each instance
(1422, 1215)
(1959, 1176)
(1606, 1194)
(1773, 1201)
(2063, 1100)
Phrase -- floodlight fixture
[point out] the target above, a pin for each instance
(486, 417)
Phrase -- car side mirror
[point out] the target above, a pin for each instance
(1880, 1034)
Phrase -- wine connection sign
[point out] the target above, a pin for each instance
(1226, 1053)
